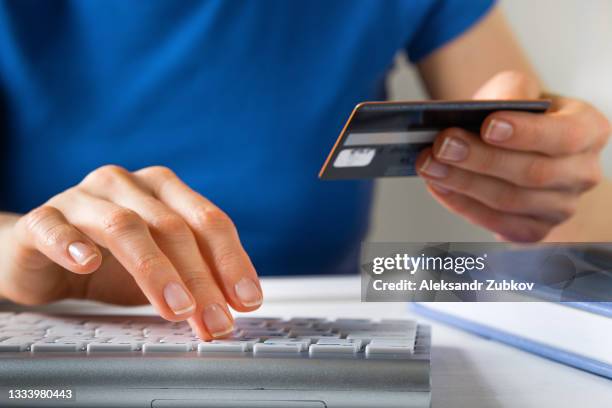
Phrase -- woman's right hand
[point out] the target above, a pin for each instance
(128, 238)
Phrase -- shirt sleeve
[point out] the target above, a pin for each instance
(444, 21)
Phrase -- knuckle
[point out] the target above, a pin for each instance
(569, 210)
(122, 221)
(225, 258)
(539, 173)
(146, 265)
(490, 161)
(38, 216)
(213, 219)
(197, 283)
(464, 183)
(162, 172)
(591, 178)
(105, 176)
(56, 234)
(508, 198)
(574, 140)
(169, 224)
(564, 211)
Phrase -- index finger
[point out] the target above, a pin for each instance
(215, 234)
(573, 127)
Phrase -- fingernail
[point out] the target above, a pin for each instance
(178, 299)
(82, 253)
(498, 131)
(440, 189)
(434, 169)
(248, 292)
(453, 149)
(216, 320)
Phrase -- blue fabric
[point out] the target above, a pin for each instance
(242, 99)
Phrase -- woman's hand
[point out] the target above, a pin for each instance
(129, 238)
(524, 174)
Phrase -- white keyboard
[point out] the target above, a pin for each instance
(306, 337)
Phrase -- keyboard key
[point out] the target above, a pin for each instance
(368, 336)
(305, 332)
(261, 348)
(137, 341)
(114, 332)
(8, 347)
(393, 341)
(312, 320)
(302, 343)
(166, 347)
(110, 347)
(317, 350)
(14, 332)
(251, 320)
(69, 331)
(340, 342)
(30, 318)
(373, 350)
(246, 343)
(352, 321)
(56, 347)
(263, 333)
(228, 347)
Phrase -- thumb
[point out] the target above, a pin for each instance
(509, 85)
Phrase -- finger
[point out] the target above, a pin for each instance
(47, 231)
(126, 235)
(215, 233)
(516, 228)
(548, 205)
(467, 151)
(572, 129)
(176, 240)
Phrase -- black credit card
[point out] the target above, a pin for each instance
(384, 139)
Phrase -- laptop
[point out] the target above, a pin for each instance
(54, 360)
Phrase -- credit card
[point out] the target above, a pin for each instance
(384, 139)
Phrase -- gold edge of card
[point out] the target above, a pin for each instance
(339, 139)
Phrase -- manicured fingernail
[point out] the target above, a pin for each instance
(453, 149)
(498, 131)
(216, 320)
(248, 292)
(178, 299)
(440, 189)
(434, 169)
(82, 253)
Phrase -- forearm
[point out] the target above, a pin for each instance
(460, 68)
(592, 221)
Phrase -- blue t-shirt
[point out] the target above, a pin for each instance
(242, 99)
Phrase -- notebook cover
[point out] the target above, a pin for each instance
(540, 349)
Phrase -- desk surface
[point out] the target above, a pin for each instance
(467, 370)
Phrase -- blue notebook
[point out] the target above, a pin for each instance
(574, 333)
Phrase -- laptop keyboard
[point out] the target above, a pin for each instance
(253, 336)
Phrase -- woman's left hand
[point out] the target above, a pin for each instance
(524, 174)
